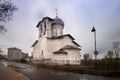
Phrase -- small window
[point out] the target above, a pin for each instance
(44, 28)
(42, 53)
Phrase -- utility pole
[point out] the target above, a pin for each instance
(95, 52)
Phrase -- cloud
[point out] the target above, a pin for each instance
(79, 17)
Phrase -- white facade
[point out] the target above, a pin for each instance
(14, 54)
(54, 47)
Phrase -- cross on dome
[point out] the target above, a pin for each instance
(56, 9)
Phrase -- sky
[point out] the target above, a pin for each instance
(79, 17)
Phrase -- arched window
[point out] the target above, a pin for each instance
(45, 27)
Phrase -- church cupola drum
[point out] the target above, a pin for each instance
(57, 26)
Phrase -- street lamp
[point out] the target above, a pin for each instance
(95, 52)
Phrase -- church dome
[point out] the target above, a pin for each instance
(57, 21)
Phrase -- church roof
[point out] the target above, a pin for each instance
(50, 19)
(76, 43)
(57, 21)
(61, 51)
(34, 43)
(58, 37)
(70, 47)
(14, 48)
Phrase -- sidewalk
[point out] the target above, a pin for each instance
(7, 73)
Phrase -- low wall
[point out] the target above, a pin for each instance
(57, 62)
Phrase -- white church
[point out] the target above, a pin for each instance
(53, 46)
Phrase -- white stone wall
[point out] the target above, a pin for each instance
(50, 45)
(14, 55)
(48, 29)
(56, 44)
(45, 47)
(73, 57)
(57, 30)
(36, 51)
(73, 54)
(40, 50)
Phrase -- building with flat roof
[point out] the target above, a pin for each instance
(14, 54)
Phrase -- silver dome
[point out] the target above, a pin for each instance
(57, 21)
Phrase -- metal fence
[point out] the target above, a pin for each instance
(57, 62)
(104, 64)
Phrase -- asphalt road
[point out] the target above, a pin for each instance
(35, 73)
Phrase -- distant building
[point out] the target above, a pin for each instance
(53, 46)
(15, 54)
(25, 55)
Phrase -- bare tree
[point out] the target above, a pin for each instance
(1, 55)
(2, 29)
(1, 51)
(86, 56)
(110, 54)
(7, 9)
(116, 48)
